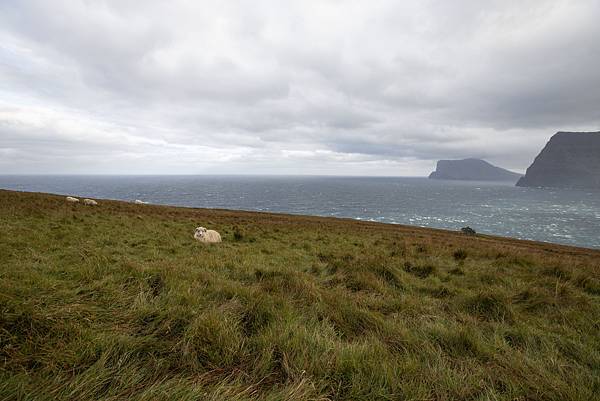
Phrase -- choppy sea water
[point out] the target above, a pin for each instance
(560, 216)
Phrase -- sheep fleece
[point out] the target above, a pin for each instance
(209, 236)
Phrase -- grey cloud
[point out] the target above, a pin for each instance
(392, 85)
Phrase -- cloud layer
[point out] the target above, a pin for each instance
(307, 87)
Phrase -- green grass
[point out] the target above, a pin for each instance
(119, 302)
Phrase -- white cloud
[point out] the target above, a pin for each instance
(339, 87)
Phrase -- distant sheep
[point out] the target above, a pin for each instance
(140, 202)
(207, 236)
(90, 202)
(70, 199)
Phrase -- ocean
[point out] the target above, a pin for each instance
(560, 216)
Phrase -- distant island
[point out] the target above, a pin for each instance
(471, 170)
(569, 160)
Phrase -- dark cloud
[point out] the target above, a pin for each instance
(290, 87)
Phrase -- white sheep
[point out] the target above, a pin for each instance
(70, 199)
(90, 202)
(207, 236)
(140, 202)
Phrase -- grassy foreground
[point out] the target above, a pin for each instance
(118, 302)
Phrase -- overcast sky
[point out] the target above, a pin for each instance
(291, 87)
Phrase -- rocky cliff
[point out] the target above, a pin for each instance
(569, 160)
(472, 170)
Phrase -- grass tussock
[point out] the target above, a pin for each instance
(119, 302)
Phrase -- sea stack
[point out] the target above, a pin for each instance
(569, 160)
(471, 170)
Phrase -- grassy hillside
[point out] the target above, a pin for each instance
(119, 302)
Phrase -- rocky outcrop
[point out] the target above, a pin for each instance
(468, 231)
(569, 160)
(471, 170)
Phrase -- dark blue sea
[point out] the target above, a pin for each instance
(552, 215)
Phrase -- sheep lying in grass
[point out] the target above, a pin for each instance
(90, 202)
(207, 236)
(140, 202)
(70, 199)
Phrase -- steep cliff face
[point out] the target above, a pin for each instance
(569, 160)
(471, 170)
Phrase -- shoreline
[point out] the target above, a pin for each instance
(547, 246)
